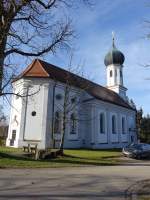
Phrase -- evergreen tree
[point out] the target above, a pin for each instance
(145, 129)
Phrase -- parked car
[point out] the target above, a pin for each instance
(137, 151)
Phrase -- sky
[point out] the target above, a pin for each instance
(94, 26)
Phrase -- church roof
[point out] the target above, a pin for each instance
(114, 56)
(42, 69)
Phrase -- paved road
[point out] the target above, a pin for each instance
(85, 183)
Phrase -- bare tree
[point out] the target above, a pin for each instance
(3, 126)
(67, 109)
(2, 115)
(68, 103)
(31, 28)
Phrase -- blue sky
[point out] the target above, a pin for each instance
(94, 27)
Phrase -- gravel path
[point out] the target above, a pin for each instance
(85, 183)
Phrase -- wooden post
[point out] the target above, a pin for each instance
(36, 153)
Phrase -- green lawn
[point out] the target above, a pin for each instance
(10, 157)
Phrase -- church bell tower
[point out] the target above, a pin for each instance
(114, 60)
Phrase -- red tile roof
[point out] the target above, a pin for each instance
(42, 69)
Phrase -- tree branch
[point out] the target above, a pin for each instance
(20, 95)
(59, 39)
(47, 6)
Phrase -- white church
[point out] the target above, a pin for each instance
(95, 117)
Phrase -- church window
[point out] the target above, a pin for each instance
(33, 113)
(110, 73)
(120, 73)
(102, 123)
(73, 124)
(58, 96)
(114, 124)
(132, 139)
(14, 134)
(73, 100)
(13, 138)
(123, 125)
(57, 123)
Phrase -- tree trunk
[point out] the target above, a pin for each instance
(64, 120)
(53, 120)
(3, 41)
(63, 136)
(1, 71)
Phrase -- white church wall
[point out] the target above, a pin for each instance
(71, 136)
(71, 140)
(85, 123)
(89, 136)
(25, 85)
(74, 139)
(35, 114)
(58, 107)
(110, 80)
(45, 131)
(117, 140)
(32, 129)
(115, 79)
(34, 111)
(124, 134)
(49, 115)
(38, 128)
(15, 115)
(85, 129)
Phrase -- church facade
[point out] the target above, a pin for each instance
(51, 101)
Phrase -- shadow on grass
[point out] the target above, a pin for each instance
(15, 157)
(66, 159)
(97, 150)
(84, 162)
(71, 159)
(96, 158)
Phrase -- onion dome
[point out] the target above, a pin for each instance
(114, 56)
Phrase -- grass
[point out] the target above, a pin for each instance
(14, 158)
(143, 197)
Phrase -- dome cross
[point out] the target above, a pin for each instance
(113, 39)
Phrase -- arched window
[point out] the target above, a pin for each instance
(102, 123)
(57, 123)
(114, 124)
(120, 73)
(73, 124)
(115, 73)
(123, 125)
(110, 73)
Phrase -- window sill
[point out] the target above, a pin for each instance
(73, 139)
(102, 143)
